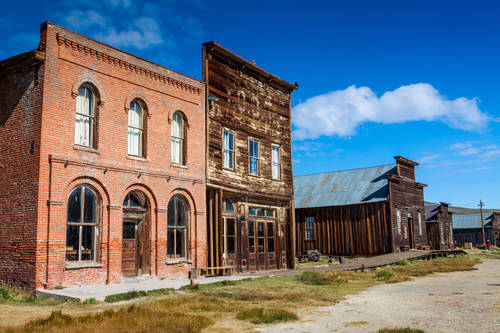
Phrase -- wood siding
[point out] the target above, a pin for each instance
(346, 230)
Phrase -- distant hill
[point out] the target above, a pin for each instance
(463, 210)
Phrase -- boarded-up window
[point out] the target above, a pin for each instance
(276, 162)
(228, 149)
(309, 227)
(398, 215)
(420, 223)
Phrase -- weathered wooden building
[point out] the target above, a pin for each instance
(467, 229)
(249, 165)
(361, 211)
(439, 226)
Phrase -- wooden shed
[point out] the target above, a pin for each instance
(467, 228)
(365, 211)
(439, 226)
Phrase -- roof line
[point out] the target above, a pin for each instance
(330, 172)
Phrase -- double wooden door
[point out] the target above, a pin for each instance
(135, 247)
(261, 245)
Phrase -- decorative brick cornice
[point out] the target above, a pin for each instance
(126, 66)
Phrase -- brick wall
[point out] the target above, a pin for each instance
(118, 78)
(20, 104)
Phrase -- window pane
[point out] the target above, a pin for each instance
(269, 212)
(231, 244)
(135, 115)
(251, 229)
(251, 211)
(83, 130)
(181, 212)
(270, 244)
(176, 150)
(171, 212)
(88, 237)
(261, 244)
(72, 236)
(170, 241)
(260, 229)
(230, 227)
(134, 201)
(180, 246)
(228, 206)
(270, 230)
(74, 205)
(134, 141)
(178, 125)
(90, 209)
(128, 230)
(261, 212)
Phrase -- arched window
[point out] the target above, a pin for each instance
(85, 117)
(178, 131)
(177, 227)
(81, 227)
(136, 128)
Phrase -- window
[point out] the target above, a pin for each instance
(276, 162)
(81, 227)
(228, 149)
(85, 115)
(178, 138)
(228, 206)
(251, 237)
(309, 227)
(178, 219)
(441, 231)
(420, 223)
(260, 236)
(254, 211)
(270, 237)
(254, 156)
(229, 236)
(398, 215)
(136, 128)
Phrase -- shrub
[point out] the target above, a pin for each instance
(402, 262)
(266, 316)
(385, 274)
(400, 330)
(90, 301)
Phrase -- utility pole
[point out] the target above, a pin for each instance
(481, 204)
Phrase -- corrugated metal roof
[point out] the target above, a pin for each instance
(470, 221)
(343, 187)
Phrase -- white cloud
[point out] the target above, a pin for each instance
(80, 19)
(429, 158)
(142, 34)
(341, 112)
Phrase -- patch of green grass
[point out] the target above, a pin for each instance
(266, 316)
(14, 295)
(385, 274)
(356, 323)
(135, 294)
(400, 330)
(320, 279)
(90, 301)
(402, 262)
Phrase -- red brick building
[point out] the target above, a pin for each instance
(103, 166)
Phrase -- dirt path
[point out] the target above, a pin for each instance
(451, 302)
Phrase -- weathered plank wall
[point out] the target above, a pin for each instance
(346, 230)
(407, 196)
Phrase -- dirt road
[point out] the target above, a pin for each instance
(451, 302)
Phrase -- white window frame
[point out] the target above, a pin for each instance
(88, 93)
(228, 150)
(180, 140)
(420, 223)
(309, 228)
(136, 129)
(250, 157)
(276, 165)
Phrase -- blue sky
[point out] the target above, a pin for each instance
(376, 79)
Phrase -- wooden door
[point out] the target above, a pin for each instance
(271, 249)
(411, 232)
(433, 235)
(129, 248)
(252, 246)
(261, 245)
(229, 241)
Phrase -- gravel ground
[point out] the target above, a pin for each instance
(452, 302)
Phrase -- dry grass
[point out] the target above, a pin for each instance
(232, 305)
(399, 330)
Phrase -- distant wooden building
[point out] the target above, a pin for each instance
(249, 165)
(439, 226)
(467, 229)
(362, 211)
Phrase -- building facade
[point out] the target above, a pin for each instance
(103, 166)
(439, 226)
(467, 228)
(363, 211)
(249, 165)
